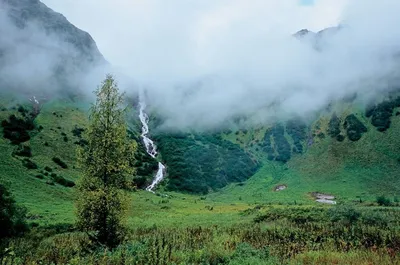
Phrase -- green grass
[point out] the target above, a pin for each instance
(349, 170)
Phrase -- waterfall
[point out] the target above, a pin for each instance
(149, 144)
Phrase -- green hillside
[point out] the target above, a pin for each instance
(350, 170)
(39, 168)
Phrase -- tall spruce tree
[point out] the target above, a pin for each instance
(102, 201)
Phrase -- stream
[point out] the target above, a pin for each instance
(149, 144)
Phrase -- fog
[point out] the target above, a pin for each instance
(39, 57)
(205, 62)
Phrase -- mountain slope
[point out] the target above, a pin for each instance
(41, 50)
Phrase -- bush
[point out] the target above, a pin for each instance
(343, 213)
(81, 142)
(296, 128)
(375, 219)
(48, 169)
(202, 162)
(247, 254)
(16, 129)
(23, 150)
(59, 162)
(29, 164)
(340, 138)
(383, 201)
(62, 181)
(355, 128)
(12, 216)
(50, 182)
(77, 132)
(282, 146)
(334, 126)
(381, 113)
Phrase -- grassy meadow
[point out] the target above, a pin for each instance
(243, 223)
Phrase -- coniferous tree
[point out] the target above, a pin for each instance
(102, 202)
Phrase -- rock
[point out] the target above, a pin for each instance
(324, 198)
(280, 187)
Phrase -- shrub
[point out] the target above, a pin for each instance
(282, 146)
(29, 164)
(16, 129)
(81, 142)
(344, 213)
(12, 216)
(50, 182)
(375, 219)
(59, 162)
(22, 110)
(39, 176)
(23, 150)
(62, 181)
(355, 128)
(296, 128)
(381, 113)
(77, 132)
(383, 201)
(334, 126)
(212, 164)
(247, 254)
(340, 138)
(48, 169)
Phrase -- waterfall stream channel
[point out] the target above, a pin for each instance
(151, 148)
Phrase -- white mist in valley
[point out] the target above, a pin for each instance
(205, 62)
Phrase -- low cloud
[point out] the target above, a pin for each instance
(205, 62)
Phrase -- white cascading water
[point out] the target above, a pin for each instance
(149, 144)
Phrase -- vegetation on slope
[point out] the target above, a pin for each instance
(200, 163)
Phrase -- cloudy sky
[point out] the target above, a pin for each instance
(205, 61)
(126, 30)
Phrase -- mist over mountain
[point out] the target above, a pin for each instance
(216, 61)
(41, 51)
(228, 60)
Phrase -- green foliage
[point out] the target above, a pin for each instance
(344, 213)
(381, 114)
(383, 201)
(340, 138)
(12, 216)
(297, 129)
(334, 126)
(23, 150)
(29, 164)
(62, 181)
(145, 166)
(267, 145)
(59, 162)
(246, 254)
(106, 160)
(17, 129)
(203, 162)
(355, 128)
(77, 131)
(281, 145)
(279, 242)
